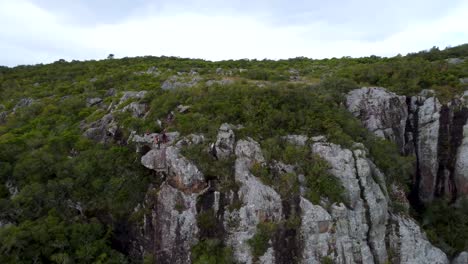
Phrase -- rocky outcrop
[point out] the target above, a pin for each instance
(421, 126)
(260, 203)
(132, 95)
(93, 101)
(406, 239)
(178, 81)
(462, 258)
(224, 145)
(103, 130)
(382, 112)
(362, 230)
(23, 102)
(138, 110)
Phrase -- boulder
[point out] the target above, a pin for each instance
(298, 140)
(175, 221)
(24, 102)
(383, 113)
(259, 203)
(461, 165)
(176, 82)
(426, 111)
(93, 101)
(138, 110)
(462, 258)
(224, 145)
(132, 95)
(409, 245)
(182, 173)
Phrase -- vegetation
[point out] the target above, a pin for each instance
(260, 242)
(74, 196)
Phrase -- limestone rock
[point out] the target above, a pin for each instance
(382, 112)
(224, 145)
(138, 110)
(183, 174)
(462, 258)
(259, 202)
(461, 165)
(24, 102)
(410, 245)
(132, 95)
(176, 225)
(314, 232)
(360, 230)
(93, 101)
(103, 130)
(427, 114)
(298, 140)
(176, 82)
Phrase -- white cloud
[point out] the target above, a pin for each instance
(36, 35)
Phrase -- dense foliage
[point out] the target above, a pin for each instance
(66, 199)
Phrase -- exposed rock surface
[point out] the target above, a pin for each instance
(138, 110)
(422, 126)
(176, 82)
(23, 103)
(406, 238)
(224, 145)
(259, 202)
(462, 258)
(361, 231)
(93, 101)
(382, 112)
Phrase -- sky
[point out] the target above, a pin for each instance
(44, 31)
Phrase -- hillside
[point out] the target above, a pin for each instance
(288, 161)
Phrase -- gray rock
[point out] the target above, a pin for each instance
(3, 117)
(461, 165)
(410, 246)
(298, 140)
(110, 92)
(24, 102)
(224, 145)
(183, 108)
(360, 230)
(314, 232)
(138, 110)
(103, 130)
(382, 112)
(93, 101)
(462, 258)
(132, 95)
(175, 218)
(260, 202)
(427, 112)
(455, 60)
(183, 174)
(177, 82)
(464, 80)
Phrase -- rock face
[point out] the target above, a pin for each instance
(422, 126)
(406, 238)
(224, 145)
(462, 258)
(382, 112)
(364, 230)
(176, 82)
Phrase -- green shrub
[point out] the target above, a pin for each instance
(259, 243)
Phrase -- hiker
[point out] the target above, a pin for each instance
(157, 141)
(164, 137)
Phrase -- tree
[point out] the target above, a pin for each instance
(110, 56)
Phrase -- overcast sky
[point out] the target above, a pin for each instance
(42, 31)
